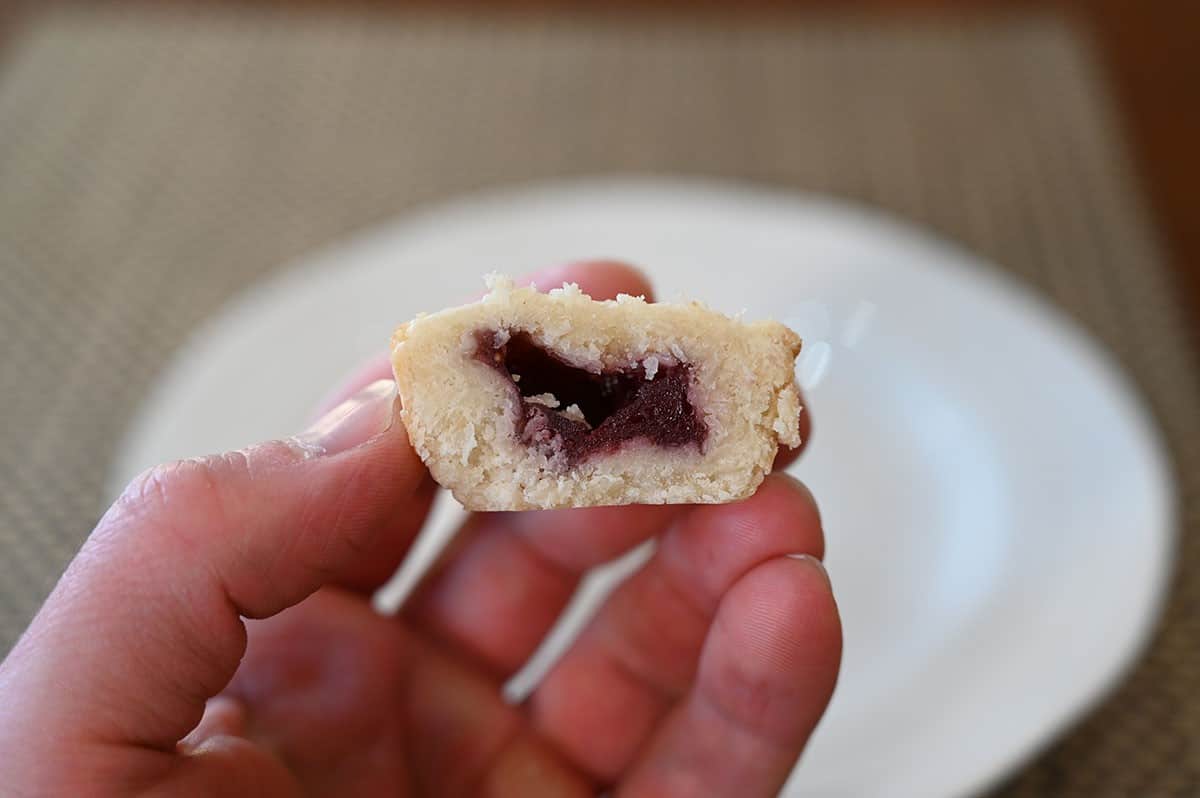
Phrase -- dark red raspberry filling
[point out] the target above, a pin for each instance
(619, 405)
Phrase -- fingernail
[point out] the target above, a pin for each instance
(354, 421)
(813, 562)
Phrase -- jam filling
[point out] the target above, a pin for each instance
(580, 413)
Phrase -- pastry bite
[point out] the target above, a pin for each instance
(528, 400)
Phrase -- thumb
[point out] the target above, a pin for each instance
(145, 625)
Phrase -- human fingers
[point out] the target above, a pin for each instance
(638, 656)
(508, 576)
(146, 623)
(766, 673)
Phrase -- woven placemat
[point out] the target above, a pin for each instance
(152, 167)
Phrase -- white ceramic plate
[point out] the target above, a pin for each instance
(999, 511)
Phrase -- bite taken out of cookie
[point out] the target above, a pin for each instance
(528, 400)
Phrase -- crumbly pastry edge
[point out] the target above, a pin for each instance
(456, 410)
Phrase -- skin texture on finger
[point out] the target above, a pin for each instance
(357, 704)
(223, 715)
(766, 674)
(377, 560)
(524, 568)
(145, 625)
(224, 766)
(472, 743)
(323, 685)
(638, 655)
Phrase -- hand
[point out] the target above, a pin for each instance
(703, 674)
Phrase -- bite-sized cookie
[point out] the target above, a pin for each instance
(525, 400)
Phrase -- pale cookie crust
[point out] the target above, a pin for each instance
(462, 413)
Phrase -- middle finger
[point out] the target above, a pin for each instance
(508, 576)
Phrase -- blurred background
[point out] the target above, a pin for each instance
(159, 159)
